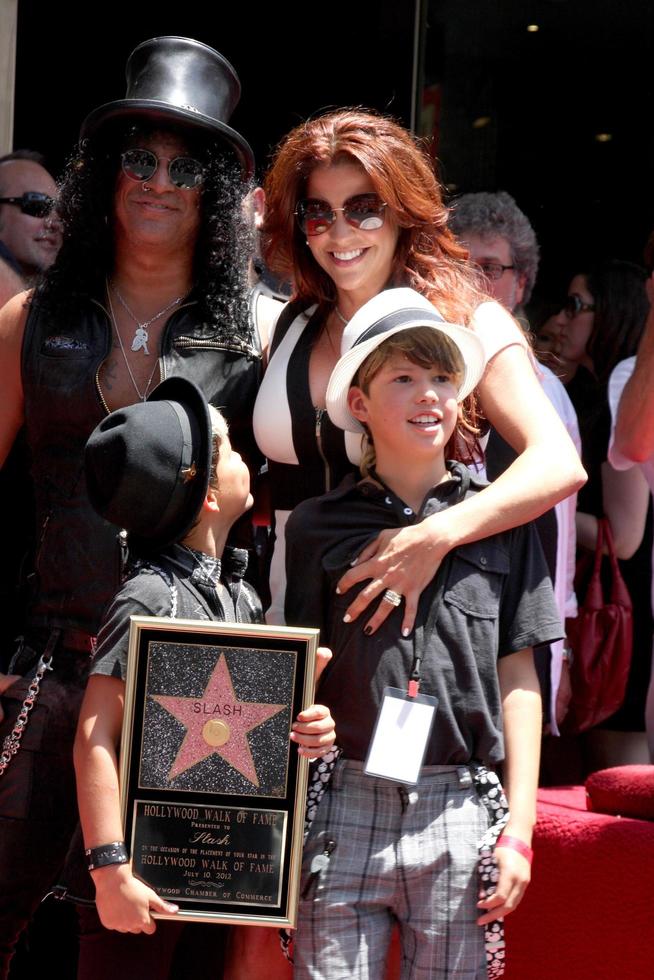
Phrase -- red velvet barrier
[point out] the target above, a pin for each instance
(589, 911)
(624, 790)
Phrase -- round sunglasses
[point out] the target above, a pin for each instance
(36, 204)
(184, 172)
(364, 211)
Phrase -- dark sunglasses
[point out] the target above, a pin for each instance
(184, 172)
(364, 211)
(574, 305)
(33, 203)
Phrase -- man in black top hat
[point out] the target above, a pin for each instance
(150, 282)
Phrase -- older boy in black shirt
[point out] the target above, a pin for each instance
(422, 719)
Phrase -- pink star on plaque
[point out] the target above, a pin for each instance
(217, 722)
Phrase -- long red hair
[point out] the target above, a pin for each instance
(428, 258)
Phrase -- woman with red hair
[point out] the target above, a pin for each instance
(352, 207)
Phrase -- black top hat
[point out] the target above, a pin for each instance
(148, 465)
(179, 79)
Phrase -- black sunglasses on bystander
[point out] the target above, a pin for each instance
(33, 203)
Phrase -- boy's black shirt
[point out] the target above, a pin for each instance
(179, 582)
(496, 600)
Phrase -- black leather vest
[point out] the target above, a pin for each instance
(77, 568)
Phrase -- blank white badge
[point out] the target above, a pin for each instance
(401, 734)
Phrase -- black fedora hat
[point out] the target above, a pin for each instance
(182, 80)
(148, 465)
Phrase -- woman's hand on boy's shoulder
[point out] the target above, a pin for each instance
(514, 876)
(314, 731)
(402, 560)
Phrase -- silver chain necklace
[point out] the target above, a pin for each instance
(142, 395)
(340, 316)
(140, 338)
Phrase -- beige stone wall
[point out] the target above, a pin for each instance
(8, 14)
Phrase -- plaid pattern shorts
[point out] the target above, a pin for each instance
(380, 853)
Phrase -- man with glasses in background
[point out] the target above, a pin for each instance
(151, 281)
(503, 244)
(30, 232)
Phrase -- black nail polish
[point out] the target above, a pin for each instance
(368, 630)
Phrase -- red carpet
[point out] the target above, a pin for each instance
(589, 911)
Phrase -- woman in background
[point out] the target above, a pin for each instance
(600, 324)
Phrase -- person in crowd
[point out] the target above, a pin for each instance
(601, 323)
(389, 817)
(266, 295)
(266, 298)
(146, 285)
(180, 569)
(547, 341)
(30, 237)
(631, 446)
(352, 207)
(503, 244)
(262, 281)
(30, 230)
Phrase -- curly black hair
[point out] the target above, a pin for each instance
(85, 204)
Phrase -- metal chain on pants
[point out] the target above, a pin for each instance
(11, 744)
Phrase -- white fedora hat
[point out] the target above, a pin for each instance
(381, 317)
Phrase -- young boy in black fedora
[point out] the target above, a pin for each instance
(165, 471)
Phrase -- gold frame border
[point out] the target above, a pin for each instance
(211, 629)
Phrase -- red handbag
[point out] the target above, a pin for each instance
(600, 638)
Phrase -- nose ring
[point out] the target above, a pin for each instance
(146, 187)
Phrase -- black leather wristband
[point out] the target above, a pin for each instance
(100, 857)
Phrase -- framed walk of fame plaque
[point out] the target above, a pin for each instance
(212, 790)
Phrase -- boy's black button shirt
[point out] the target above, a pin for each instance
(490, 598)
(180, 583)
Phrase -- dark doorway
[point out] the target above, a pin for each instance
(549, 100)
